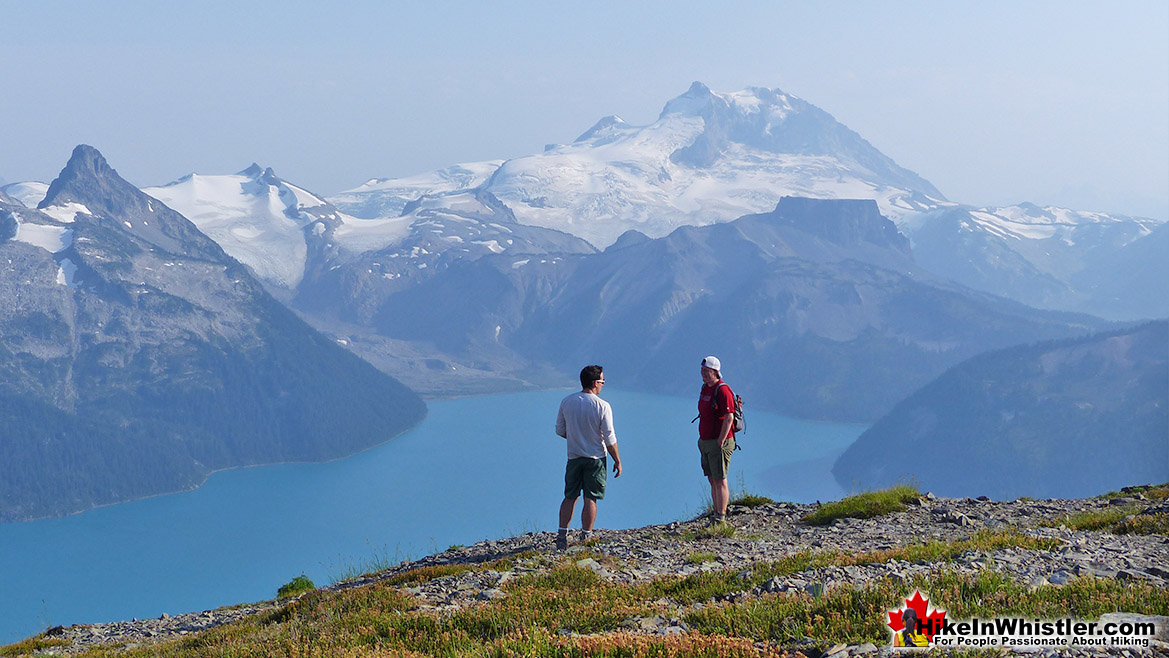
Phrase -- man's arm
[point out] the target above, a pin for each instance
(612, 449)
(724, 432)
(561, 425)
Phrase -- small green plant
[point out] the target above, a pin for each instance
(297, 585)
(739, 496)
(1098, 520)
(1144, 524)
(1124, 520)
(1150, 491)
(33, 645)
(864, 506)
(751, 500)
(720, 530)
(379, 560)
(700, 557)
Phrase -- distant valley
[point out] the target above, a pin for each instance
(213, 321)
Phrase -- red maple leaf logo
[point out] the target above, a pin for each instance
(930, 619)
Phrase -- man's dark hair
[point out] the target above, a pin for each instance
(589, 375)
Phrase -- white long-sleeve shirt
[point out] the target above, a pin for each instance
(587, 422)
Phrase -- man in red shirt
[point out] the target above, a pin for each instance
(716, 434)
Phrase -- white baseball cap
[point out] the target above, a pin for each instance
(712, 362)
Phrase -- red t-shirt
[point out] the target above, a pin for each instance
(709, 420)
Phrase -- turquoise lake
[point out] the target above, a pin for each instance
(476, 468)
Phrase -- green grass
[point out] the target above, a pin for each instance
(699, 558)
(1151, 491)
(739, 495)
(705, 586)
(864, 506)
(721, 530)
(857, 615)
(1121, 520)
(751, 500)
(32, 645)
(544, 610)
(380, 559)
(298, 585)
(1144, 524)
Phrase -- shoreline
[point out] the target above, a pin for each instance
(208, 474)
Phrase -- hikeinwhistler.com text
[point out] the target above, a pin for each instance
(1019, 632)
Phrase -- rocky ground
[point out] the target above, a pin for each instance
(762, 533)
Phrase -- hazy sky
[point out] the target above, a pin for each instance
(1061, 103)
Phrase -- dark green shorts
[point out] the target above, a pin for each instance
(716, 461)
(585, 474)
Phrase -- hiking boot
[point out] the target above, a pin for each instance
(562, 540)
(717, 520)
(585, 535)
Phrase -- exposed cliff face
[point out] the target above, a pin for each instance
(1068, 418)
(136, 357)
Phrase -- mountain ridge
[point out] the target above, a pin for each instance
(1033, 417)
(137, 357)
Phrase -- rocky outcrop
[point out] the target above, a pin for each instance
(762, 534)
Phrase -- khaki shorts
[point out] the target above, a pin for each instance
(716, 461)
(585, 474)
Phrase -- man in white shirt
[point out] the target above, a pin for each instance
(586, 421)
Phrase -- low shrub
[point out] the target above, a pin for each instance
(297, 585)
(864, 506)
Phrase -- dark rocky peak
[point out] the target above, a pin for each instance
(502, 212)
(87, 177)
(261, 175)
(254, 171)
(630, 238)
(118, 205)
(845, 222)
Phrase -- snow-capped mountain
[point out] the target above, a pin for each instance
(28, 193)
(136, 356)
(258, 219)
(387, 197)
(383, 257)
(710, 157)
(1046, 257)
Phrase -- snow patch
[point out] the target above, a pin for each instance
(491, 245)
(29, 193)
(49, 238)
(66, 273)
(66, 213)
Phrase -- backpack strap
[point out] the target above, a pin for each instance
(713, 399)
